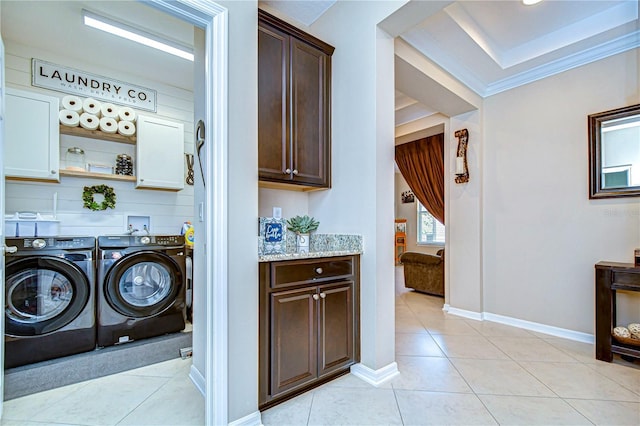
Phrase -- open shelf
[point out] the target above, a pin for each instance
(96, 134)
(77, 173)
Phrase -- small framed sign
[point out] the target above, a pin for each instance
(273, 233)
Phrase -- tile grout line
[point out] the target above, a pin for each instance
(144, 400)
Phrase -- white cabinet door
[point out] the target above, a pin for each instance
(32, 136)
(159, 154)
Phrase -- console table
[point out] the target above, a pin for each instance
(612, 276)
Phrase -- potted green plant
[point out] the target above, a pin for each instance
(302, 226)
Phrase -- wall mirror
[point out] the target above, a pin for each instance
(614, 153)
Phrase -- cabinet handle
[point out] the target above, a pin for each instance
(316, 297)
(295, 172)
(319, 270)
(287, 172)
(323, 295)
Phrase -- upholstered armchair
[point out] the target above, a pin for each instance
(424, 272)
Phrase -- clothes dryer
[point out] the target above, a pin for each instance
(142, 287)
(49, 299)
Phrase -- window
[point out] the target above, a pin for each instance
(430, 231)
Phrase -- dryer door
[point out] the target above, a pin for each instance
(143, 284)
(42, 295)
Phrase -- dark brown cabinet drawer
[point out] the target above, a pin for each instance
(297, 272)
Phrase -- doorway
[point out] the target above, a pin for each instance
(212, 19)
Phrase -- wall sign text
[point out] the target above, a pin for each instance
(69, 80)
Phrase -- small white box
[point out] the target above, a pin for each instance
(38, 226)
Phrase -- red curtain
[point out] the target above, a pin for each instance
(421, 163)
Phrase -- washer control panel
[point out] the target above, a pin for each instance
(123, 241)
(166, 240)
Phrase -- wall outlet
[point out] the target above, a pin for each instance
(277, 212)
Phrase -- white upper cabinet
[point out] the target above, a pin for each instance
(160, 154)
(31, 136)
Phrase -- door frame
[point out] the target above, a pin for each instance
(213, 18)
(2, 242)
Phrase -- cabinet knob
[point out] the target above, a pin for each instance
(319, 270)
(322, 295)
(287, 172)
(53, 172)
(295, 171)
(316, 297)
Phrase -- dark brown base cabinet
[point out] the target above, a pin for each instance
(612, 276)
(309, 324)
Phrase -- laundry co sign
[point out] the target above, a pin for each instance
(69, 80)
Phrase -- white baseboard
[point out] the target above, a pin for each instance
(253, 419)
(198, 379)
(462, 313)
(541, 328)
(375, 377)
(527, 325)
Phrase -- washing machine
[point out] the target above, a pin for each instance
(49, 298)
(142, 287)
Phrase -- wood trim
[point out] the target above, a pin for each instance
(306, 37)
(77, 173)
(97, 134)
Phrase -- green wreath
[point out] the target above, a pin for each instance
(108, 193)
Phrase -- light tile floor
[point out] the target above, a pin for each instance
(456, 371)
(159, 394)
(453, 371)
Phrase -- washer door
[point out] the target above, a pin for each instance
(42, 295)
(143, 284)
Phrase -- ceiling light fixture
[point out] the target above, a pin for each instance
(134, 34)
(530, 2)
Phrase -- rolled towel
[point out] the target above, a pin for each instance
(72, 103)
(109, 110)
(92, 106)
(89, 121)
(108, 125)
(69, 118)
(126, 128)
(127, 114)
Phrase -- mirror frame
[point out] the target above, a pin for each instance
(595, 158)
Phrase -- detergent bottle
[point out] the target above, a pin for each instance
(187, 231)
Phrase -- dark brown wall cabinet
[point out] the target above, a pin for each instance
(294, 116)
(309, 324)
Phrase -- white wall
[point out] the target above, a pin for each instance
(292, 203)
(242, 208)
(361, 200)
(168, 210)
(542, 234)
(464, 218)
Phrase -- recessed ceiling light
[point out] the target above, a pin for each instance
(134, 34)
(530, 2)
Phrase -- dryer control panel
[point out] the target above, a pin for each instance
(161, 240)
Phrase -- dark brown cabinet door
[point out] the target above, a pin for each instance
(309, 114)
(294, 119)
(335, 337)
(274, 155)
(294, 349)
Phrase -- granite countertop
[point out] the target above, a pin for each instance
(309, 255)
(320, 245)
